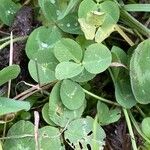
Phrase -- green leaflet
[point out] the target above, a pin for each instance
(46, 71)
(72, 95)
(97, 21)
(8, 9)
(9, 105)
(106, 116)
(67, 49)
(145, 126)
(66, 70)
(9, 73)
(97, 58)
(40, 43)
(140, 73)
(58, 113)
(78, 131)
(123, 92)
(48, 137)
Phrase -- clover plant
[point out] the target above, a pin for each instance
(76, 43)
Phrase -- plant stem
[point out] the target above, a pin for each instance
(26, 2)
(100, 98)
(9, 82)
(33, 90)
(36, 129)
(139, 35)
(133, 23)
(126, 29)
(122, 33)
(4, 39)
(140, 111)
(10, 62)
(14, 40)
(137, 127)
(133, 141)
(112, 76)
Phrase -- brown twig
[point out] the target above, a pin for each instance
(33, 90)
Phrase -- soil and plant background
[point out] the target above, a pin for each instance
(74, 74)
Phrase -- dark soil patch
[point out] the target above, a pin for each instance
(23, 25)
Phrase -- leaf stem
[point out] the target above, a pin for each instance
(133, 141)
(101, 98)
(140, 111)
(122, 33)
(14, 40)
(138, 128)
